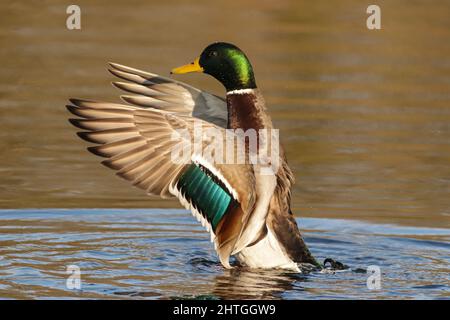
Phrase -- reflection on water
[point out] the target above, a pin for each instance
(364, 115)
(156, 254)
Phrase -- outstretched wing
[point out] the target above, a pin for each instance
(150, 90)
(138, 143)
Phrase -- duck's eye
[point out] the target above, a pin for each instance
(213, 54)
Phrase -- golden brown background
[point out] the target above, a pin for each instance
(364, 115)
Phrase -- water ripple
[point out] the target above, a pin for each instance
(160, 254)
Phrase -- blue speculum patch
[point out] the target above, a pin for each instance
(208, 196)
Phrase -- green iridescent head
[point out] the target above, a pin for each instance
(225, 62)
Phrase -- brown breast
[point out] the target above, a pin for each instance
(244, 112)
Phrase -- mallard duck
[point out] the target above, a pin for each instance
(247, 213)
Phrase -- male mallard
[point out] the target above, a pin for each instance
(248, 213)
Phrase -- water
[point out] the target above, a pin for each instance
(364, 117)
(156, 254)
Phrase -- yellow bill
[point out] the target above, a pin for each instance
(191, 67)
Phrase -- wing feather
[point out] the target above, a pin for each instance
(154, 91)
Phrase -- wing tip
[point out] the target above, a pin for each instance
(85, 135)
(107, 163)
(96, 151)
(72, 109)
(127, 98)
(78, 102)
(117, 66)
(118, 85)
(76, 123)
(75, 101)
(118, 73)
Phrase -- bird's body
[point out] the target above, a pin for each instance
(246, 209)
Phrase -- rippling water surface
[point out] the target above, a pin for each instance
(158, 254)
